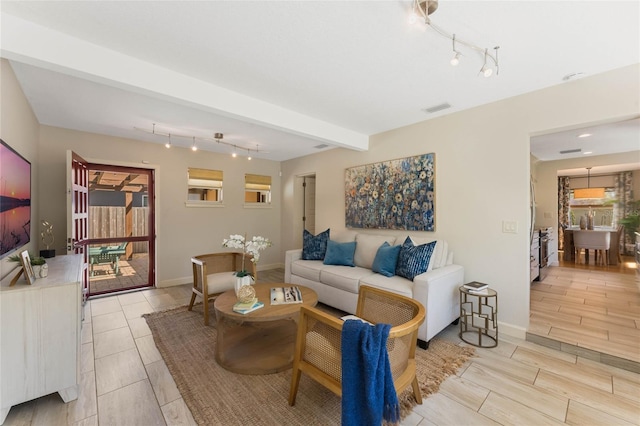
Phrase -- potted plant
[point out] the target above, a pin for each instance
(631, 224)
(253, 247)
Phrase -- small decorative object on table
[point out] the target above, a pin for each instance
(285, 295)
(33, 267)
(475, 286)
(252, 247)
(47, 240)
(249, 306)
(246, 294)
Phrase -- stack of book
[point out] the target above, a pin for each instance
(477, 288)
(246, 307)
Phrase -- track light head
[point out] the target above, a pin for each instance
(168, 144)
(194, 147)
(486, 71)
(456, 59)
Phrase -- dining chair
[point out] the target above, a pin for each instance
(599, 241)
(214, 273)
(318, 344)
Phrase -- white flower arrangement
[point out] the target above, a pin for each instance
(253, 247)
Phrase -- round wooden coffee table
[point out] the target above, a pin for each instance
(262, 341)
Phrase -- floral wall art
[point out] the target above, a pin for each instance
(395, 194)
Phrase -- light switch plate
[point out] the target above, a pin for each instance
(510, 226)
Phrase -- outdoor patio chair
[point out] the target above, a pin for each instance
(318, 344)
(214, 274)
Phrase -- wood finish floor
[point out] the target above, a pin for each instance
(125, 381)
(591, 310)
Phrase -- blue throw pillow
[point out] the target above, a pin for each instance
(386, 260)
(414, 260)
(340, 253)
(314, 247)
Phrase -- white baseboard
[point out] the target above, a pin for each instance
(512, 330)
(175, 281)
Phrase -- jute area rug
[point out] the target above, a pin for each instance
(216, 396)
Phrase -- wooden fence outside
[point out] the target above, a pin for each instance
(109, 222)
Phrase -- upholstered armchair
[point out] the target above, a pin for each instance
(318, 343)
(213, 274)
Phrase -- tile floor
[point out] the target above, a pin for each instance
(124, 381)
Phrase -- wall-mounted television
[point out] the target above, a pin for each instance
(15, 200)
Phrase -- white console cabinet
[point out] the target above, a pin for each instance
(40, 334)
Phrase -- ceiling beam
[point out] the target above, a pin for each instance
(27, 42)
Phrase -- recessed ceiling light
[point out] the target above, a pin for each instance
(584, 135)
(587, 152)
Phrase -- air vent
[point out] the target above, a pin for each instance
(437, 108)
(322, 146)
(570, 151)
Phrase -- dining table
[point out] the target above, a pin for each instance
(570, 249)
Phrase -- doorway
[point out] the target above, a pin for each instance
(121, 228)
(304, 195)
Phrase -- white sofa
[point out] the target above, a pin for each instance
(337, 286)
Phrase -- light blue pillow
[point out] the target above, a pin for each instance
(386, 260)
(340, 253)
(314, 247)
(414, 260)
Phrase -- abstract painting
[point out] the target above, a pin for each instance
(395, 194)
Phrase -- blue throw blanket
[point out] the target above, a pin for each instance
(368, 394)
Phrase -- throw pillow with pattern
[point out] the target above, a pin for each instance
(314, 247)
(414, 260)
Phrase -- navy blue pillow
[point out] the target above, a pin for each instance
(314, 247)
(340, 253)
(386, 259)
(414, 260)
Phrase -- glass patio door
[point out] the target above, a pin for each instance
(121, 229)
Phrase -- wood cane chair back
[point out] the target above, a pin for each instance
(213, 275)
(318, 343)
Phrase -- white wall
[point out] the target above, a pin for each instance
(19, 128)
(482, 176)
(182, 231)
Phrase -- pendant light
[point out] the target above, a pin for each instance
(588, 192)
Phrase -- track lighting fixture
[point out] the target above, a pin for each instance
(425, 8)
(217, 137)
(456, 57)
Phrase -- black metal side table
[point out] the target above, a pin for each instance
(479, 317)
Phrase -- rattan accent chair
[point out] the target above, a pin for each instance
(318, 344)
(213, 275)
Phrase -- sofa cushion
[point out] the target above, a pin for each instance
(367, 248)
(414, 260)
(395, 284)
(386, 260)
(340, 253)
(344, 277)
(440, 253)
(314, 247)
(309, 269)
